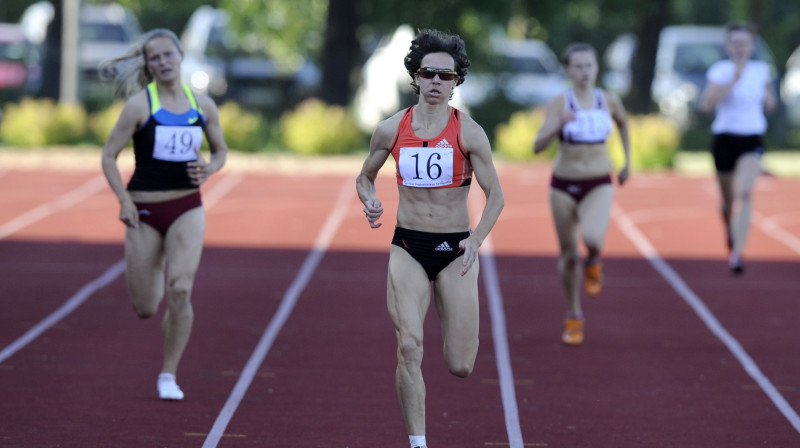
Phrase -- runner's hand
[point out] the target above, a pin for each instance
(129, 214)
(470, 248)
(373, 209)
(623, 175)
(198, 170)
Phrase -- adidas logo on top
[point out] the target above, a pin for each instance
(444, 144)
(444, 247)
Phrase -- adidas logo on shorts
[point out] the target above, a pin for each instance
(444, 247)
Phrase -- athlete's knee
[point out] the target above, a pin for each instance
(744, 196)
(409, 352)
(461, 369)
(594, 243)
(145, 310)
(568, 259)
(178, 291)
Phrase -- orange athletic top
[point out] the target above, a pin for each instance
(431, 163)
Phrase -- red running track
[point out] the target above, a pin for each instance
(650, 374)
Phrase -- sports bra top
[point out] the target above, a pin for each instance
(165, 144)
(590, 125)
(438, 162)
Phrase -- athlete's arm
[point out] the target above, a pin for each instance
(620, 117)
(480, 155)
(378, 153)
(770, 102)
(715, 92)
(200, 170)
(133, 115)
(554, 120)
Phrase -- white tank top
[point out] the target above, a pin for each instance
(742, 110)
(590, 125)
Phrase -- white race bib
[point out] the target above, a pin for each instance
(426, 167)
(177, 143)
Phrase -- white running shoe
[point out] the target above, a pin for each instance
(167, 387)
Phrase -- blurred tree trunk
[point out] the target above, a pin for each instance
(51, 66)
(654, 17)
(341, 51)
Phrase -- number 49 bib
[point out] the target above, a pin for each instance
(426, 167)
(177, 143)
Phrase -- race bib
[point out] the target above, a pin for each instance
(426, 167)
(177, 143)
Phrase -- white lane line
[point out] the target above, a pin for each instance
(771, 227)
(500, 338)
(220, 189)
(69, 306)
(505, 373)
(662, 267)
(68, 200)
(329, 228)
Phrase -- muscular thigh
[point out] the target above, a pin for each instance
(457, 300)
(565, 218)
(184, 243)
(748, 168)
(408, 292)
(144, 264)
(594, 211)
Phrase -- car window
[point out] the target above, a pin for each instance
(696, 58)
(13, 52)
(103, 32)
(526, 65)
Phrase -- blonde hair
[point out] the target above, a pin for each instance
(129, 72)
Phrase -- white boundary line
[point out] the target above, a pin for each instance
(219, 190)
(767, 225)
(288, 302)
(500, 339)
(696, 303)
(776, 232)
(69, 306)
(505, 373)
(65, 201)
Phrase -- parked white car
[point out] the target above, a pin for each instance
(790, 88)
(525, 72)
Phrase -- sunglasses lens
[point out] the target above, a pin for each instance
(430, 74)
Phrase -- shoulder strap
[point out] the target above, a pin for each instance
(192, 100)
(152, 94)
(600, 99)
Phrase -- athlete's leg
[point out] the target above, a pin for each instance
(184, 245)
(594, 213)
(726, 181)
(457, 304)
(565, 218)
(748, 168)
(408, 299)
(144, 269)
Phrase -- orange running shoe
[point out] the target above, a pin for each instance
(573, 331)
(593, 278)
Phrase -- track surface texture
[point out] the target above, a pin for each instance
(292, 345)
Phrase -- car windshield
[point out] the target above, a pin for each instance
(526, 65)
(696, 58)
(103, 32)
(14, 52)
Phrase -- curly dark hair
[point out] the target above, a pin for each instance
(435, 41)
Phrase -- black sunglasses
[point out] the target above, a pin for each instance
(445, 74)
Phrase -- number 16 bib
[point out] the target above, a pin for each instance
(426, 167)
